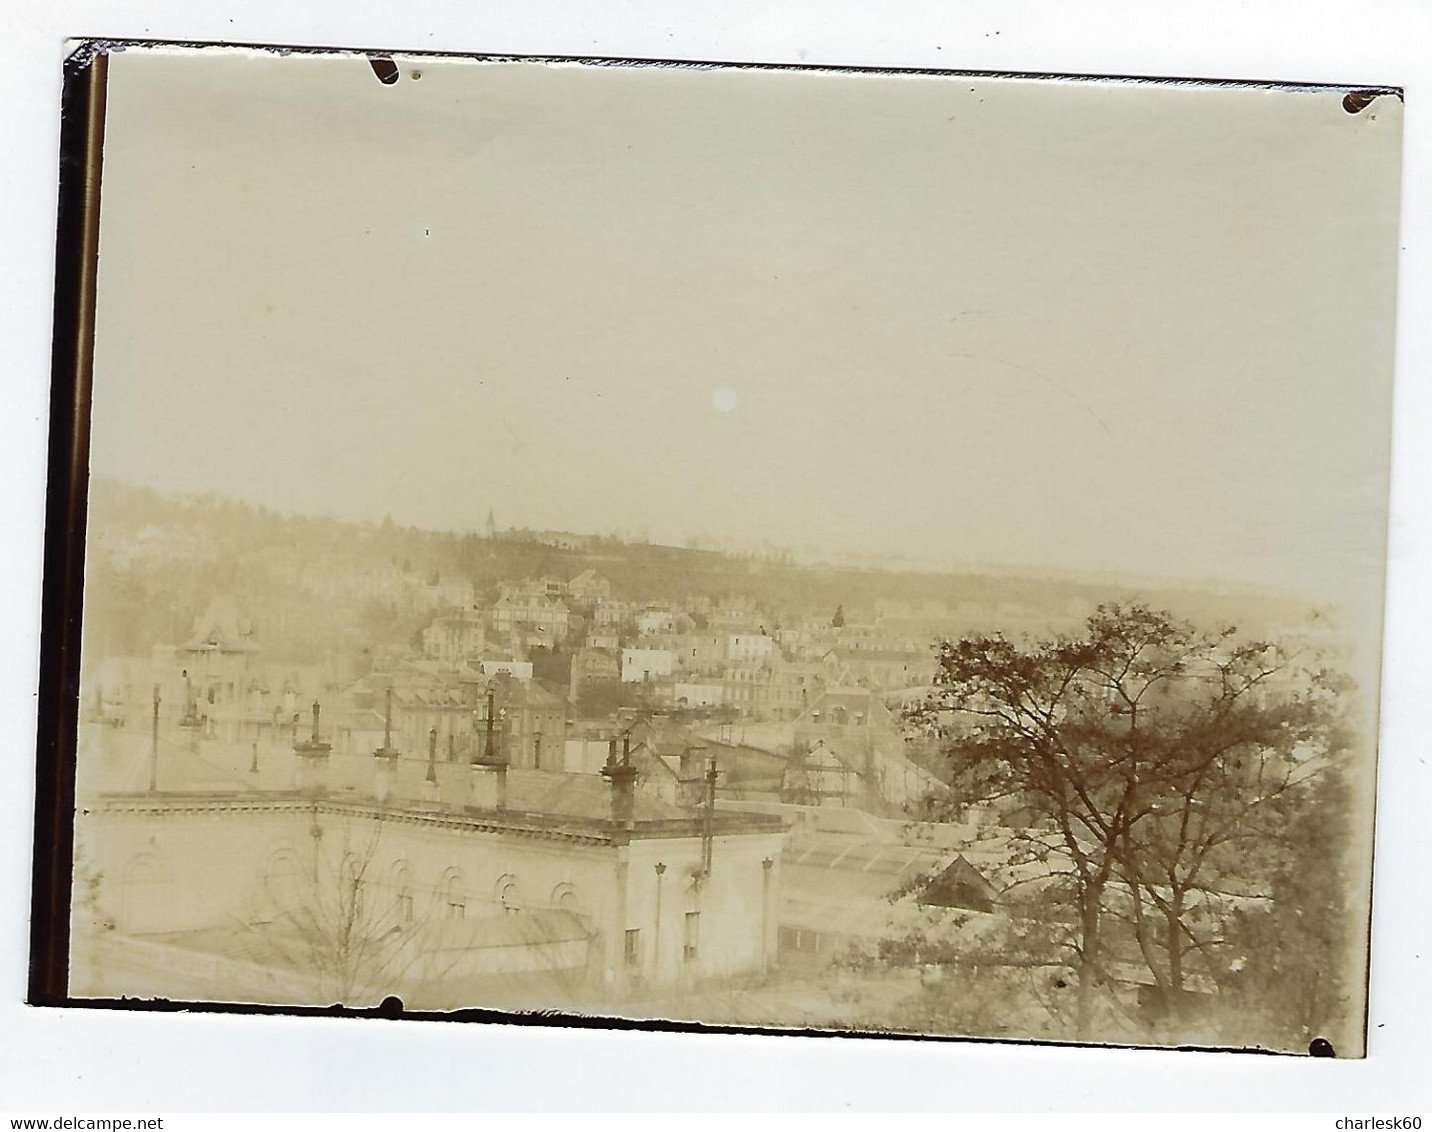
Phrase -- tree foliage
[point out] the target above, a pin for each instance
(1158, 770)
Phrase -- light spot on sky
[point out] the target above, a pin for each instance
(725, 399)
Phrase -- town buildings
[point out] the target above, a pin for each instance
(530, 805)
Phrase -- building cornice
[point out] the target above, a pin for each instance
(555, 827)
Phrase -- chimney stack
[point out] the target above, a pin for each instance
(385, 781)
(312, 760)
(430, 783)
(489, 770)
(622, 775)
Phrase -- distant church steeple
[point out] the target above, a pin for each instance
(491, 524)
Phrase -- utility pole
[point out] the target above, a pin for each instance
(766, 864)
(656, 938)
(708, 821)
(154, 746)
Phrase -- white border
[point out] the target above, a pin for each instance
(82, 1061)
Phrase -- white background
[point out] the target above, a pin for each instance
(54, 1062)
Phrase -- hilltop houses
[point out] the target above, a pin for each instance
(533, 619)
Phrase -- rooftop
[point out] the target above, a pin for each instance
(213, 775)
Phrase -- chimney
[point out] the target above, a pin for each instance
(488, 789)
(430, 783)
(312, 759)
(489, 786)
(385, 781)
(622, 775)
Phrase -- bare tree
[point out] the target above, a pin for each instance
(1154, 762)
(335, 920)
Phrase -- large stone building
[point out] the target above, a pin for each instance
(350, 878)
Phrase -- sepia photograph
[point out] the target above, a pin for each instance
(785, 548)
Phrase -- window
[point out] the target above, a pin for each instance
(454, 898)
(794, 939)
(632, 947)
(405, 907)
(693, 936)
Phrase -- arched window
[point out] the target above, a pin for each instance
(402, 884)
(454, 896)
(506, 892)
(352, 881)
(282, 878)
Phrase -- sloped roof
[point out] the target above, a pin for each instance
(578, 796)
(519, 929)
(959, 885)
(852, 699)
(839, 883)
(648, 762)
(903, 656)
(818, 756)
(539, 694)
(219, 627)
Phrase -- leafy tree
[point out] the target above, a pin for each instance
(551, 663)
(1156, 766)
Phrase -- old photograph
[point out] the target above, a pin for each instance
(793, 548)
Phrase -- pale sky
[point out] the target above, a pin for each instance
(1089, 327)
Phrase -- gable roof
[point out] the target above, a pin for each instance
(220, 626)
(959, 885)
(853, 701)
